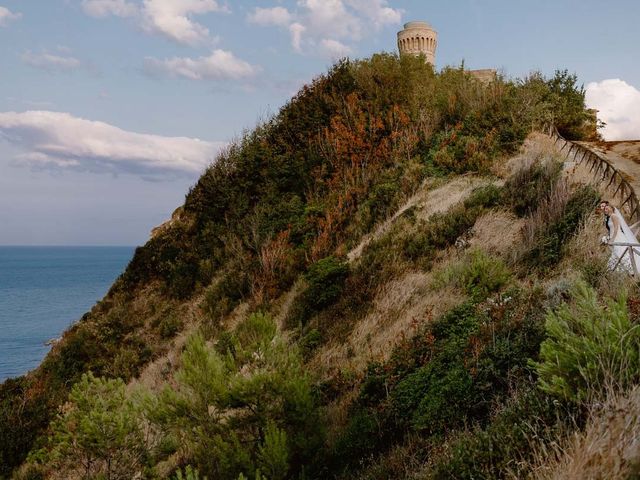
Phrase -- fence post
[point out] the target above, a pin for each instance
(633, 261)
(595, 161)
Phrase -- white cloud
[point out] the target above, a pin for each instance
(618, 105)
(276, 16)
(296, 30)
(220, 65)
(377, 12)
(51, 62)
(104, 8)
(173, 19)
(7, 15)
(326, 26)
(334, 49)
(60, 140)
(330, 18)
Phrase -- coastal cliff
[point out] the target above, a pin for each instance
(381, 281)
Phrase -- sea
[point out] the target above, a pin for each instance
(43, 291)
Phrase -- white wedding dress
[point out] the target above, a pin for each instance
(623, 235)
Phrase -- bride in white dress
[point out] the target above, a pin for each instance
(619, 232)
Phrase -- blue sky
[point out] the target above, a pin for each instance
(110, 109)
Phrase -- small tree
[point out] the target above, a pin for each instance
(99, 430)
(589, 347)
(245, 406)
(273, 454)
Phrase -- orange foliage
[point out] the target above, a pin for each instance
(358, 145)
(275, 259)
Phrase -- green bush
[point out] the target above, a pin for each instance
(441, 230)
(190, 473)
(590, 347)
(550, 239)
(361, 437)
(223, 295)
(169, 326)
(487, 196)
(244, 406)
(273, 454)
(527, 187)
(325, 283)
(309, 342)
(325, 280)
(504, 449)
(256, 331)
(100, 432)
(478, 274)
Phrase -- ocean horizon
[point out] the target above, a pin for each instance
(44, 290)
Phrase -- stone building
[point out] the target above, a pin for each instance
(417, 38)
(420, 38)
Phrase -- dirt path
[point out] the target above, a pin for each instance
(625, 156)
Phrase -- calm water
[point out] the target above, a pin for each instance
(43, 290)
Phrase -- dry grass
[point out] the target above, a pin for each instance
(399, 309)
(496, 232)
(336, 414)
(548, 212)
(157, 372)
(537, 146)
(608, 448)
(282, 306)
(429, 199)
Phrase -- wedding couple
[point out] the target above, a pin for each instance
(619, 233)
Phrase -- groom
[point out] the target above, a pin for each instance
(605, 208)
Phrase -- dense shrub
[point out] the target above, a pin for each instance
(325, 281)
(100, 432)
(170, 326)
(23, 412)
(525, 189)
(190, 473)
(504, 448)
(590, 348)
(549, 229)
(573, 121)
(478, 274)
(242, 407)
(448, 376)
(487, 196)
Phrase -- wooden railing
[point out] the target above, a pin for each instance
(603, 171)
(634, 255)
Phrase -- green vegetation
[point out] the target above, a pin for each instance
(325, 282)
(267, 228)
(99, 432)
(555, 221)
(445, 377)
(478, 275)
(530, 185)
(590, 348)
(242, 408)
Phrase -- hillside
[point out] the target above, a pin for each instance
(393, 277)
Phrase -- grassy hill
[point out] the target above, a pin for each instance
(393, 277)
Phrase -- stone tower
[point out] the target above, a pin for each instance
(418, 38)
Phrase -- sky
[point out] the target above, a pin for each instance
(111, 109)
